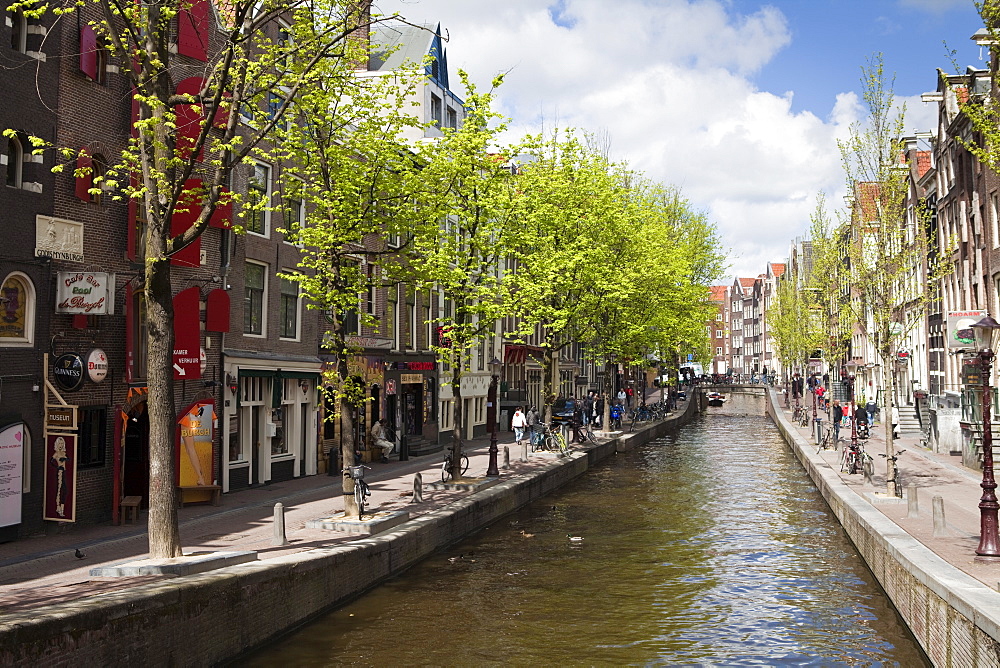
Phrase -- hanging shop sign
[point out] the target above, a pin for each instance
(960, 328)
(97, 365)
(11, 472)
(409, 378)
(60, 478)
(61, 418)
(68, 371)
(85, 292)
(390, 386)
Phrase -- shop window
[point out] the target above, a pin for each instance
(289, 309)
(17, 311)
(15, 161)
(93, 436)
(254, 281)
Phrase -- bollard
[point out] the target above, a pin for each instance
(524, 452)
(939, 524)
(418, 488)
(506, 458)
(279, 525)
(912, 507)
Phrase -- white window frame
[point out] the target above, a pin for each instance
(15, 161)
(17, 17)
(30, 304)
(268, 194)
(298, 306)
(263, 302)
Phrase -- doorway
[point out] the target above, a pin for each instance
(413, 396)
(135, 455)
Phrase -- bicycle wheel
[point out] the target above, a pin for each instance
(446, 469)
(465, 464)
(560, 443)
(359, 496)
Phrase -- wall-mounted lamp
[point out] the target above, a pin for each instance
(304, 385)
(231, 383)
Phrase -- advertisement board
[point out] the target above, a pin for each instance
(11, 472)
(60, 478)
(85, 292)
(195, 435)
(959, 328)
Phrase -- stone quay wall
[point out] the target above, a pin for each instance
(212, 617)
(955, 618)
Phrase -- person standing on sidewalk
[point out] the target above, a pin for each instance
(895, 421)
(519, 422)
(532, 423)
(870, 409)
(836, 415)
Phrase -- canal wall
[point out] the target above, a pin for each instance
(208, 618)
(954, 617)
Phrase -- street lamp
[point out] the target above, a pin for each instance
(491, 415)
(989, 546)
(852, 368)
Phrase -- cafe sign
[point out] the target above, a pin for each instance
(85, 292)
(97, 365)
(68, 371)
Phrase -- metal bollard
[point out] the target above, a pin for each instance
(939, 524)
(279, 525)
(418, 488)
(912, 507)
(506, 457)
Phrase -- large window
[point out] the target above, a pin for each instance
(19, 31)
(255, 282)
(17, 311)
(436, 110)
(294, 215)
(258, 199)
(289, 309)
(93, 435)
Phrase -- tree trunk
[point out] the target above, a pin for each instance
(347, 451)
(890, 402)
(608, 389)
(550, 371)
(164, 535)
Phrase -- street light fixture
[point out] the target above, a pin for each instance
(852, 368)
(491, 416)
(985, 332)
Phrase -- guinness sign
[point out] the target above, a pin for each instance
(68, 370)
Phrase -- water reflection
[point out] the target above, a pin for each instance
(708, 546)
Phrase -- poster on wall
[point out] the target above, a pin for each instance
(60, 478)
(195, 434)
(960, 328)
(11, 472)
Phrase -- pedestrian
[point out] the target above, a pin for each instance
(870, 409)
(622, 396)
(588, 409)
(518, 422)
(599, 412)
(836, 415)
(628, 396)
(531, 419)
(894, 413)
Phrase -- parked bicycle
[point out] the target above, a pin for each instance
(361, 489)
(551, 440)
(856, 460)
(827, 440)
(892, 472)
(446, 466)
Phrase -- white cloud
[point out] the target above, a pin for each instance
(667, 81)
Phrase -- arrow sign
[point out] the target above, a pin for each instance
(180, 370)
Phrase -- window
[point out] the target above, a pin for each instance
(139, 335)
(289, 309)
(436, 109)
(274, 103)
(284, 43)
(93, 435)
(98, 169)
(452, 118)
(258, 199)
(718, 350)
(994, 215)
(15, 161)
(718, 333)
(17, 311)
(294, 214)
(19, 31)
(254, 281)
(389, 329)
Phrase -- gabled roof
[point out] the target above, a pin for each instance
(718, 292)
(777, 269)
(747, 282)
(396, 43)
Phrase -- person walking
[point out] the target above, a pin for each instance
(519, 422)
(894, 413)
(870, 409)
(836, 415)
(622, 396)
(531, 420)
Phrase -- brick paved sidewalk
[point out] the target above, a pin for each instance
(43, 570)
(933, 474)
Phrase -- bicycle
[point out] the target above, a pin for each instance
(892, 469)
(826, 441)
(856, 460)
(551, 440)
(361, 489)
(446, 466)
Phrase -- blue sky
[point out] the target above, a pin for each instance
(739, 104)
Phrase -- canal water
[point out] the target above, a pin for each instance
(710, 546)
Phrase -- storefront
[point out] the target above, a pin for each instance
(411, 400)
(269, 421)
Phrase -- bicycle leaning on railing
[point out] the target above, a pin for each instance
(361, 489)
(551, 440)
(446, 466)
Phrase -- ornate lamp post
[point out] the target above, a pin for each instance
(491, 416)
(989, 546)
